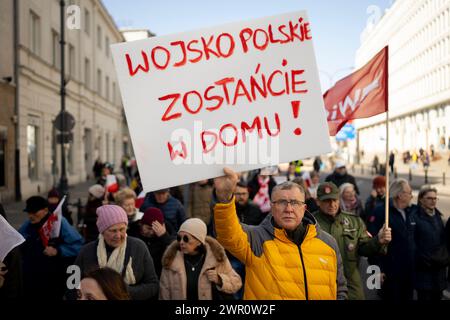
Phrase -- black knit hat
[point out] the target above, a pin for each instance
(35, 203)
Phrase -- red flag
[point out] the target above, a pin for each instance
(362, 94)
(111, 183)
(140, 199)
(52, 227)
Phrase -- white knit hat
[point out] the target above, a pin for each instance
(195, 227)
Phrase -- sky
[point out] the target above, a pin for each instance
(336, 25)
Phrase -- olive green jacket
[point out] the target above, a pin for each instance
(353, 241)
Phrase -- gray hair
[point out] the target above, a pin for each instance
(288, 185)
(397, 186)
(345, 186)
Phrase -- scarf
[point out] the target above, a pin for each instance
(349, 205)
(116, 260)
(262, 199)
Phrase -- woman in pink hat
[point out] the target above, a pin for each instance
(127, 255)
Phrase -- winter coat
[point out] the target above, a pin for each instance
(13, 284)
(146, 285)
(44, 276)
(200, 202)
(338, 180)
(173, 277)
(90, 231)
(250, 213)
(276, 267)
(172, 209)
(371, 204)
(429, 237)
(351, 235)
(156, 245)
(398, 263)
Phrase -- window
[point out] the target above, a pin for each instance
(32, 147)
(87, 72)
(107, 46)
(71, 60)
(35, 33)
(99, 37)
(3, 142)
(114, 93)
(107, 88)
(56, 61)
(99, 82)
(87, 23)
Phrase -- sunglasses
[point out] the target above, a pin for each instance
(185, 238)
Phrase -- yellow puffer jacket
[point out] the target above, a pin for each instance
(276, 268)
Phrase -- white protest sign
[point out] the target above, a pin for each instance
(244, 95)
(10, 238)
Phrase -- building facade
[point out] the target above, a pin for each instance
(418, 36)
(7, 100)
(92, 94)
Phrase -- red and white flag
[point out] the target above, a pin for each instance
(52, 227)
(112, 185)
(362, 94)
(140, 199)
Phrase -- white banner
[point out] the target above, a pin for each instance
(10, 238)
(244, 95)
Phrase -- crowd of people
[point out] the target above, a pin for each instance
(239, 236)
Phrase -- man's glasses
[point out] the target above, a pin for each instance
(284, 203)
(185, 238)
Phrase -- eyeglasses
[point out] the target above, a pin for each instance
(284, 203)
(408, 193)
(185, 238)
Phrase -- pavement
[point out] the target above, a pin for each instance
(79, 192)
(438, 174)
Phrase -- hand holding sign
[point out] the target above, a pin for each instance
(226, 185)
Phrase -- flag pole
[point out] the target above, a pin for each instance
(386, 171)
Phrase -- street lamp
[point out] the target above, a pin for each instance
(332, 76)
(63, 184)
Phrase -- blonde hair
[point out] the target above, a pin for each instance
(123, 195)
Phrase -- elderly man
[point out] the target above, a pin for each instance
(341, 176)
(398, 264)
(351, 235)
(287, 256)
(44, 263)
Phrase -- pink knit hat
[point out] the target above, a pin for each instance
(109, 215)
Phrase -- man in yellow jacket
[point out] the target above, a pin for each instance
(287, 256)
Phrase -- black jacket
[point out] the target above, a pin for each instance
(431, 251)
(156, 245)
(13, 286)
(339, 180)
(249, 214)
(398, 263)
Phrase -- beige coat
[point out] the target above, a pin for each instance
(173, 277)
